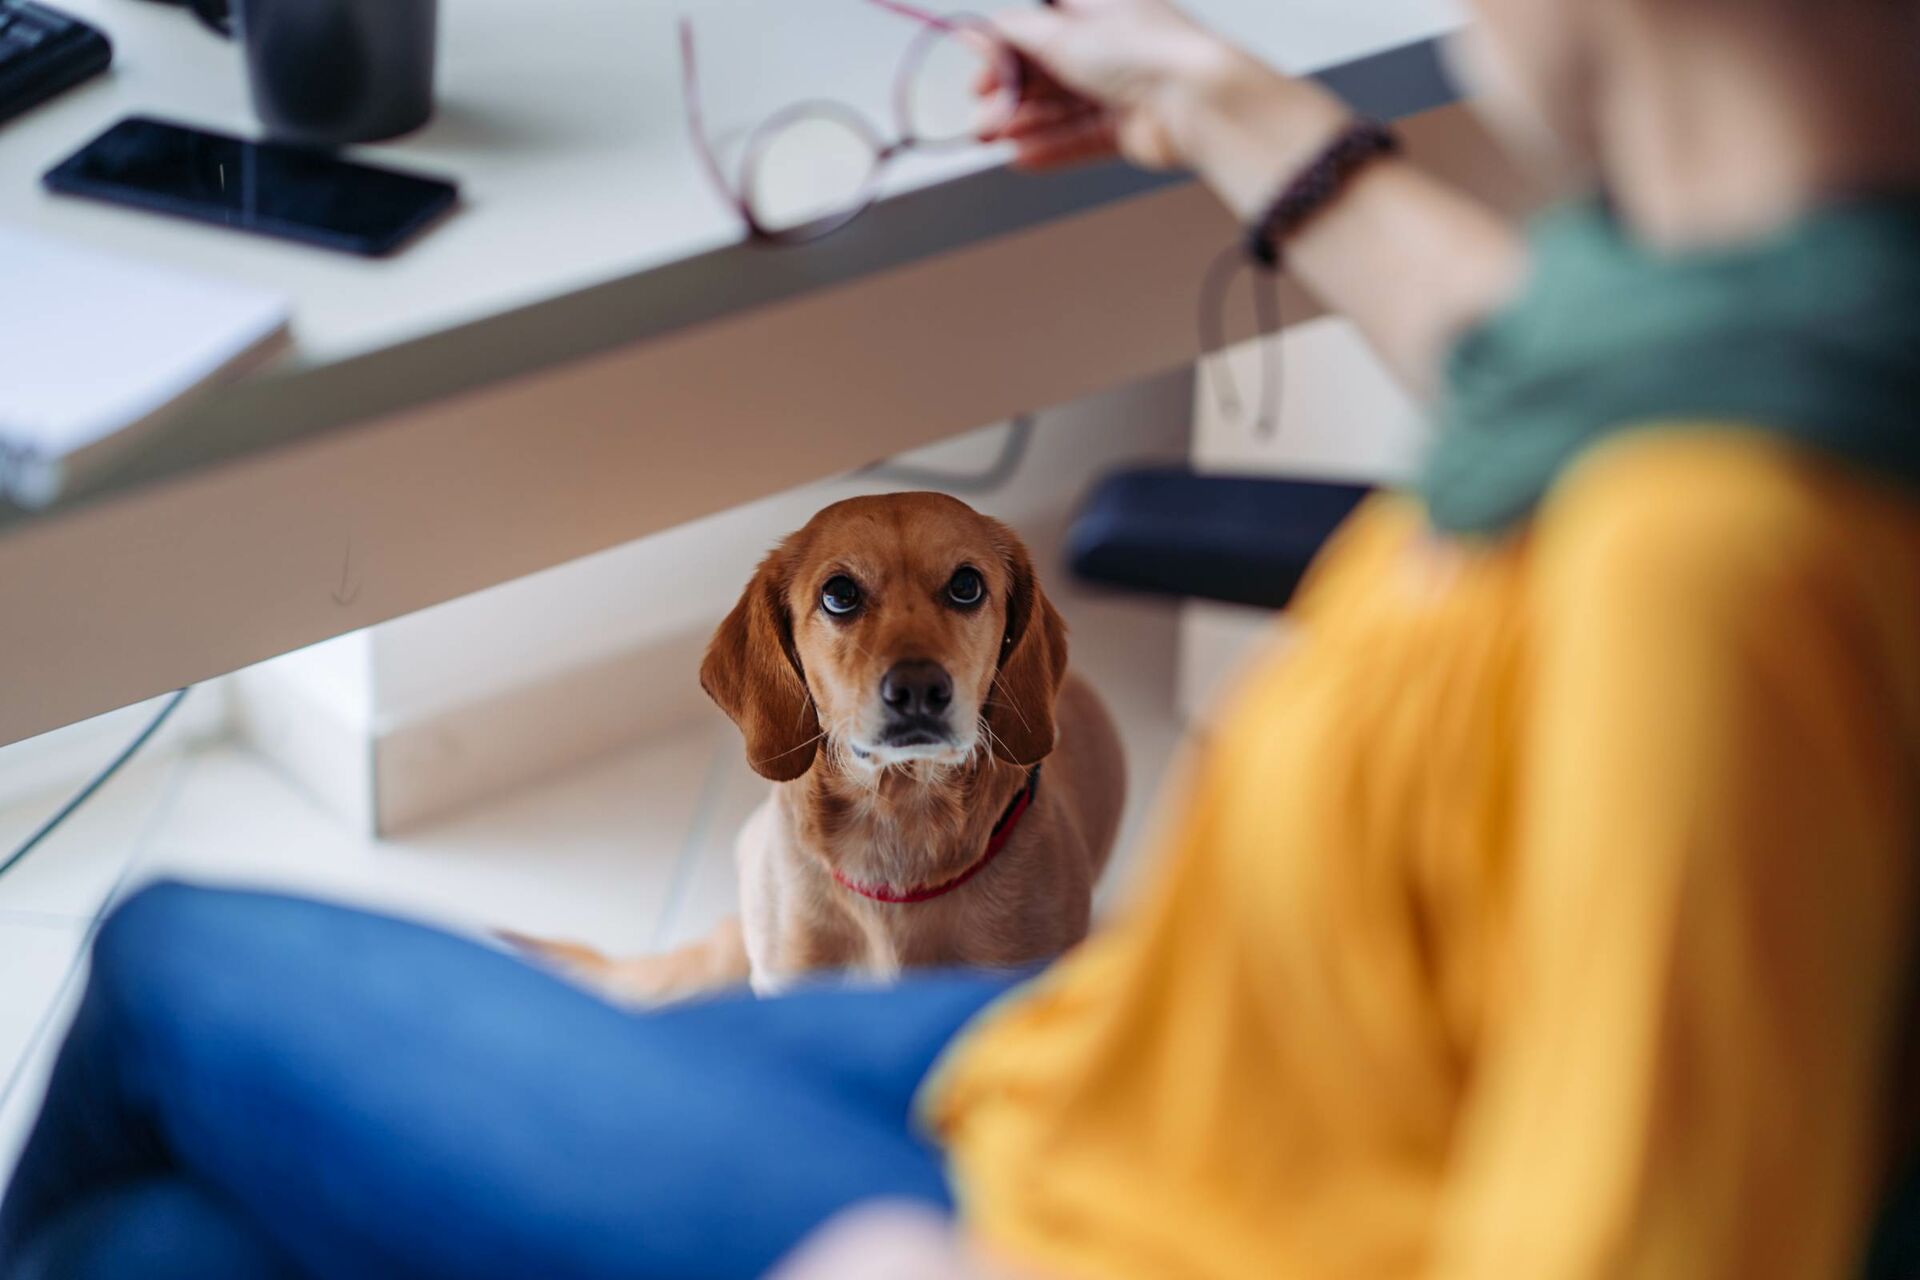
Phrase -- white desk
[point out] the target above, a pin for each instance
(586, 352)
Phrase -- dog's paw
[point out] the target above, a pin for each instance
(572, 957)
(641, 981)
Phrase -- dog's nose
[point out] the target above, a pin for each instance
(918, 688)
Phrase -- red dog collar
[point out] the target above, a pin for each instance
(1002, 833)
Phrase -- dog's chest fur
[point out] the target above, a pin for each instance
(910, 825)
(907, 827)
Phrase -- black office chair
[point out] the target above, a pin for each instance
(1241, 539)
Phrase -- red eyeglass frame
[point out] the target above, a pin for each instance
(739, 195)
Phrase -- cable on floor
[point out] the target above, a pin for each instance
(94, 784)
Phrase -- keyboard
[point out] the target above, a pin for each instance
(43, 51)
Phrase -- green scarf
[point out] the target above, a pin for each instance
(1812, 335)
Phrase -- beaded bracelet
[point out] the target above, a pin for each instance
(1315, 186)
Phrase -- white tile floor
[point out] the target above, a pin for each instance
(631, 853)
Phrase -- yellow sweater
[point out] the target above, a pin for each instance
(1542, 913)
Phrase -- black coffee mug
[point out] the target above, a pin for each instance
(328, 72)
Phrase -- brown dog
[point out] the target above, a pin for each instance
(899, 675)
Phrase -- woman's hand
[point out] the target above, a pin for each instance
(1103, 79)
(883, 1240)
(1142, 80)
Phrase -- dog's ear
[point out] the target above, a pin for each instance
(753, 672)
(1033, 659)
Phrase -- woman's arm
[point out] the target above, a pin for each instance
(1407, 258)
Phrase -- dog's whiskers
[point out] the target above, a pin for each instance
(778, 755)
(988, 739)
(1009, 701)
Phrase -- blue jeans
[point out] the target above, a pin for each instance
(259, 1086)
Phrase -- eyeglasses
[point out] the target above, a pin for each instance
(810, 169)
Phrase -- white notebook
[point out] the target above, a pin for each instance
(94, 347)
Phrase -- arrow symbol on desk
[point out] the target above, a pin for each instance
(345, 594)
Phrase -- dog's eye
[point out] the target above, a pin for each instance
(966, 587)
(840, 596)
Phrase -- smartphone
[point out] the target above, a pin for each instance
(267, 187)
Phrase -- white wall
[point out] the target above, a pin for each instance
(311, 712)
